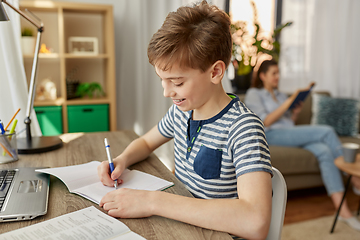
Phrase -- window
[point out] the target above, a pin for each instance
(241, 10)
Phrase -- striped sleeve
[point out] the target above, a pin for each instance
(248, 145)
(166, 124)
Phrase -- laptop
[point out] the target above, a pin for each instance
(23, 194)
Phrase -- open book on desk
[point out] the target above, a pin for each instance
(87, 223)
(83, 180)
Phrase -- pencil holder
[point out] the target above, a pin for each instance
(8, 147)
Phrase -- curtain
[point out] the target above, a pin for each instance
(13, 85)
(321, 46)
(142, 103)
(230, 72)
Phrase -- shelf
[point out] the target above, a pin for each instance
(63, 20)
(58, 102)
(86, 100)
(48, 55)
(47, 6)
(43, 56)
(67, 56)
(79, 56)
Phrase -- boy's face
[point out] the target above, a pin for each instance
(188, 88)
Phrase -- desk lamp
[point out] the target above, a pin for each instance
(32, 144)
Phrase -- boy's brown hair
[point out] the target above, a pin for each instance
(194, 37)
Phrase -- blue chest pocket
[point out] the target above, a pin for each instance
(207, 163)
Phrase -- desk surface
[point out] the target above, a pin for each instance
(81, 148)
(350, 168)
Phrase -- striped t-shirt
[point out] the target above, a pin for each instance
(211, 154)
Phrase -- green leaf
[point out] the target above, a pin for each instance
(244, 69)
(90, 90)
(27, 32)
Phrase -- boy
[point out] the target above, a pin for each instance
(221, 154)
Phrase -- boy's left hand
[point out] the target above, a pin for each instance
(127, 203)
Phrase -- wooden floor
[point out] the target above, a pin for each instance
(314, 203)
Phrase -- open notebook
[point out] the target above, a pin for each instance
(83, 180)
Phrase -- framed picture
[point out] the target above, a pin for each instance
(83, 45)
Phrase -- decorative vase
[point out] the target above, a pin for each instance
(241, 83)
(28, 45)
(71, 87)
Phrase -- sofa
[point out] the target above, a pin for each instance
(299, 166)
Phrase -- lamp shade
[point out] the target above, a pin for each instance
(3, 15)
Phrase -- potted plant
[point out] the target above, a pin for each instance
(27, 41)
(90, 90)
(247, 49)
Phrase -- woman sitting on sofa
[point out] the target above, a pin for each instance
(272, 107)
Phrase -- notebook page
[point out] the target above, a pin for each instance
(75, 176)
(131, 179)
(83, 180)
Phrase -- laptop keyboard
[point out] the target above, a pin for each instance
(6, 178)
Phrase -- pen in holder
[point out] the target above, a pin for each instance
(8, 147)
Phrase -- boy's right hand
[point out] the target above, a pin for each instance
(106, 177)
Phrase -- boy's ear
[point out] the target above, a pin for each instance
(217, 72)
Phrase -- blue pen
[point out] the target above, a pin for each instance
(2, 128)
(111, 164)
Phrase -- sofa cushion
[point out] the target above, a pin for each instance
(293, 160)
(306, 113)
(340, 113)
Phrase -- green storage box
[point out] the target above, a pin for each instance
(88, 118)
(50, 120)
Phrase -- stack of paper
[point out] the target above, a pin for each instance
(88, 223)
